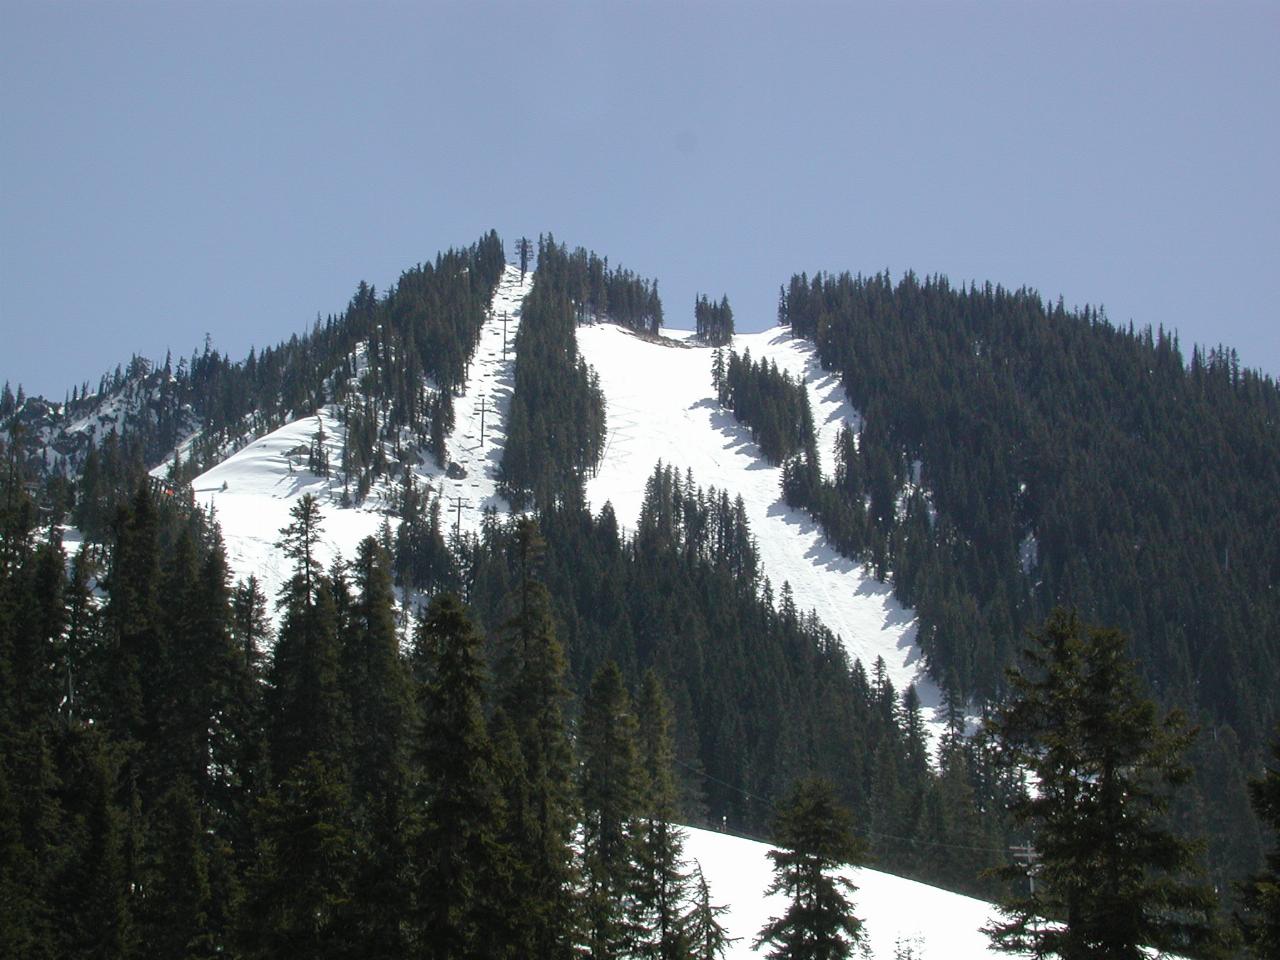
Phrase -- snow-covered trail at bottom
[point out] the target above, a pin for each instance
(936, 924)
(662, 406)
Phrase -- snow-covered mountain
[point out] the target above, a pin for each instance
(661, 407)
(252, 491)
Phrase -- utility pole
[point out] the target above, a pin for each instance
(459, 503)
(483, 409)
(1029, 857)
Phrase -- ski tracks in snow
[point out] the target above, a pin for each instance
(480, 413)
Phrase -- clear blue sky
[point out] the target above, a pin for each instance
(172, 169)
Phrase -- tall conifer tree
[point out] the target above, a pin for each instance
(662, 884)
(376, 682)
(1110, 872)
(301, 881)
(708, 938)
(815, 838)
(611, 803)
(541, 812)
(462, 877)
(1261, 920)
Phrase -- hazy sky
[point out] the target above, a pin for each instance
(171, 169)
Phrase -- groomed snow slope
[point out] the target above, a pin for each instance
(938, 925)
(491, 381)
(253, 490)
(662, 406)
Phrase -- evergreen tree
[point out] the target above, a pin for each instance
(524, 248)
(1111, 873)
(1260, 922)
(816, 838)
(134, 673)
(31, 835)
(176, 911)
(377, 688)
(611, 802)
(538, 790)
(298, 542)
(662, 885)
(245, 719)
(707, 936)
(713, 322)
(92, 897)
(25, 930)
(307, 711)
(462, 879)
(300, 885)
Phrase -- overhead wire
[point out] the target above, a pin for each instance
(862, 831)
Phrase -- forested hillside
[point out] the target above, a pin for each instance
(392, 363)
(1014, 455)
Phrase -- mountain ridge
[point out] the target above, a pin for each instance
(376, 428)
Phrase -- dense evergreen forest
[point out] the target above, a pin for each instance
(775, 407)
(1013, 456)
(556, 424)
(169, 789)
(152, 744)
(597, 292)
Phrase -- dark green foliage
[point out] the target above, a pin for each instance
(422, 561)
(556, 423)
(300, 885)
(525, 250)
(377, 688)
(91, 900)
(815, 837)
(774, 406)
(713, 322)
(661, 890)
(307, 711)
(708, 939)
(759, 694)
(1013, 455)
(134, 673)
(538, 783)
(245, 718)
(175, 911)
(463, 882)
(376, 683)
(611, 791)
(1260, 921)
(294, 837)
(596, 292)
(1110, 871)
